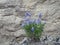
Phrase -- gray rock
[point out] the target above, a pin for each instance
(51, 43)
(19, 33)
(7, 12)
(5, 43)
(50, 38)
(12, 12)
(37, 43)
(24, 41)
(57, 43)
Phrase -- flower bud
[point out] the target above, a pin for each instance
(27, 14)
(32, 29)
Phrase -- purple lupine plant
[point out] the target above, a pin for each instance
(33, 27)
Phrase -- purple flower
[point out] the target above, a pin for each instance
(27, 14)
(40, 15)
(23, 25)
(26, 19)
(27, 22)
(32, 29)
(37, 21)
(32, 21)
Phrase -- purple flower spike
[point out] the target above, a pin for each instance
(32, 21)
(27, 22)
(27, 14)
(37, 21)
(40, 15)
(26, 19)
(32, 29)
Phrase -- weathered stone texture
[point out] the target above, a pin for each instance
(12, 12)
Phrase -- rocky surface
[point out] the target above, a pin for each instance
(12, 12)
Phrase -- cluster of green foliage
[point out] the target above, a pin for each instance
(37, 32)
